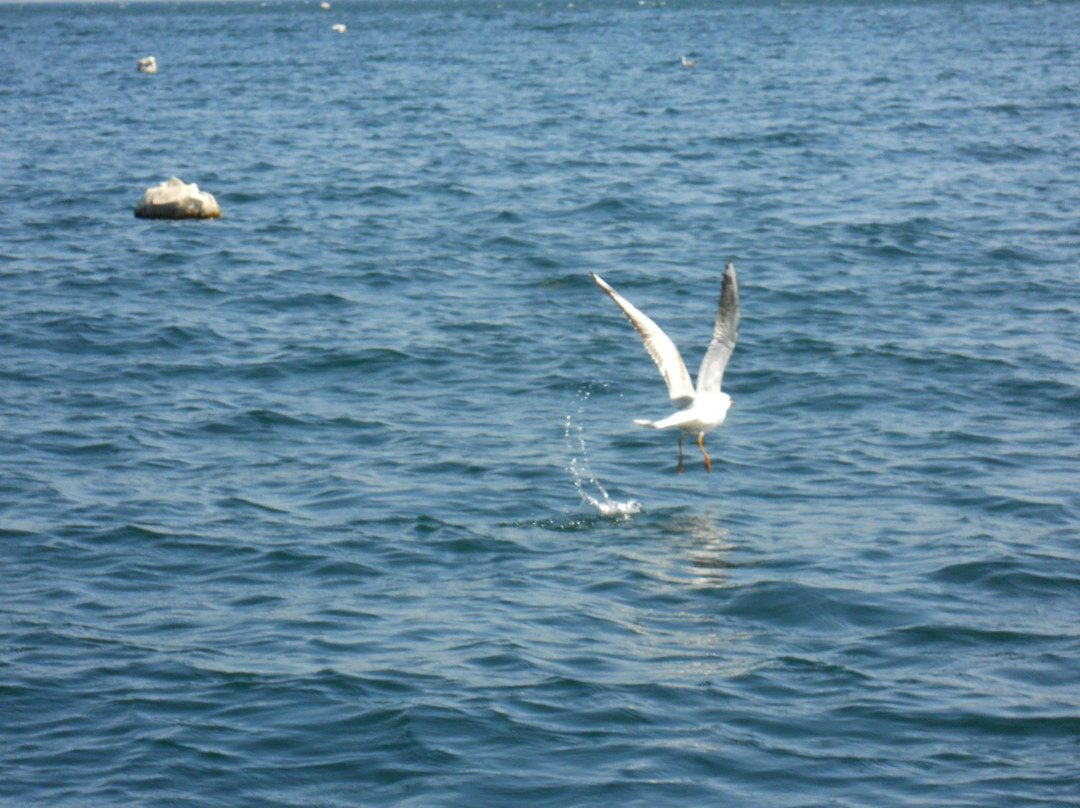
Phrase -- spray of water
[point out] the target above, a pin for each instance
(581, 474)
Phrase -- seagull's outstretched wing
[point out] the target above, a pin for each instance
(725, 330)
(659, 346)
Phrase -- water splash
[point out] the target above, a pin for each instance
(582, 475)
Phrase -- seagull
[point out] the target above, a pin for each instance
(688, 62)
(697, 412)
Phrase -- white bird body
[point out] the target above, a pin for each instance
(702, 409)
(700, 418)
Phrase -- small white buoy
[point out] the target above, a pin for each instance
(340, 27)
(147, 65)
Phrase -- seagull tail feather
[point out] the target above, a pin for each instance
(644, 422)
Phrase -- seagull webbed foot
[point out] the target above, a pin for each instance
(708, 464)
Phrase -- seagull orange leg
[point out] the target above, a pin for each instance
(708, 465)
(680, 454)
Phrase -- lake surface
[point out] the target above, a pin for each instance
(338, 500)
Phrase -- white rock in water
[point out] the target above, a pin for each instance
(177, 200)
(147, 65)
(340, 27)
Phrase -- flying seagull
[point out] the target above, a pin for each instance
(698, 412)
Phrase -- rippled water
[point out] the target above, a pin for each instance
(338, 501)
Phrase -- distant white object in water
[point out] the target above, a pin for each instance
(698, 412)
(688, 62)
(339, 27)
(176, 199)
(147, 65)
(324, 5)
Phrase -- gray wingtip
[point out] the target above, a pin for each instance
(729, 276)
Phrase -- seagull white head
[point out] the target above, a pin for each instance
(698, 411)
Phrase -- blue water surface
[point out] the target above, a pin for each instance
(338, 500)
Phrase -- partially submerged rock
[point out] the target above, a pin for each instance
(176, 199)
(147, 65)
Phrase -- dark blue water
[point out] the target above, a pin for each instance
(337, 500)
